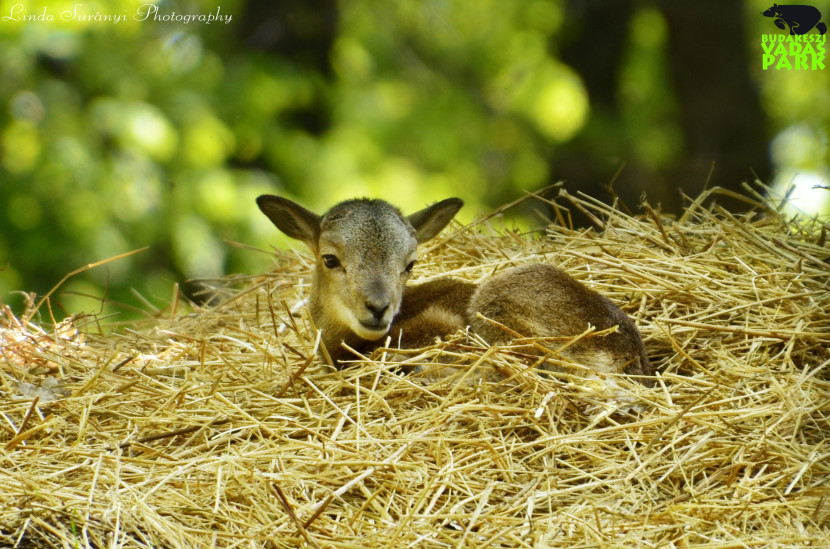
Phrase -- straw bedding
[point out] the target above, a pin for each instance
(220, 428)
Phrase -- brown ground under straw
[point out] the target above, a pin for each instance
(220, 428)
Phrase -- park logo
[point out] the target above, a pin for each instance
(800, 49)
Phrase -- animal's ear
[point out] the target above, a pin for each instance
(291, 218)
(429, 221)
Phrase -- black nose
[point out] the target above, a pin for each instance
(377, 309)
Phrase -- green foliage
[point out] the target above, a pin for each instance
(116, 136)
(649, 110)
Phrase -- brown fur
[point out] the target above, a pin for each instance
(540, 300)
(430, 310)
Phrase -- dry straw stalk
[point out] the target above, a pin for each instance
(221, 429)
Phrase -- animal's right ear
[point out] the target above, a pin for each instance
(291, 218)
(429, 221)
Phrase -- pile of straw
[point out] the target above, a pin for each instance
(221, 429)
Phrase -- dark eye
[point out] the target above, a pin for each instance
(410, 266)
(331, 261)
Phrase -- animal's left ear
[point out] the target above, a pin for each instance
(429, 221)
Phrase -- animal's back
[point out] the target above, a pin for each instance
(542, 301)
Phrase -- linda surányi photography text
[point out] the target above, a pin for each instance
(145, 12)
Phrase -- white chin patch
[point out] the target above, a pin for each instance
(369, 334)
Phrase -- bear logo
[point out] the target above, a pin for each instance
(800, 19)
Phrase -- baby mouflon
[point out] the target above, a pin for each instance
(365, 250)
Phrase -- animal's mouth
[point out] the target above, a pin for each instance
(372, 330)
(375, 326)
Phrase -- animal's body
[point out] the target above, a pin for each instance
(365, 251)
(540, 300)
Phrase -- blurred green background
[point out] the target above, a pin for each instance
(160, 133)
